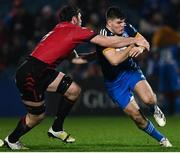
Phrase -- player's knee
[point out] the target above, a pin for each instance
(150, 99)
(73, 92)
(33, 120)
(68, 88)
(77, 91)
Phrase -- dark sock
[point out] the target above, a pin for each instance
(19, 131)
(64, 108)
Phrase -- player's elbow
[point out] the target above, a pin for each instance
(114, 62)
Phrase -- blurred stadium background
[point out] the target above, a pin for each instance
(24, 22)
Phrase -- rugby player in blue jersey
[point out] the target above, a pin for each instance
(123, 76)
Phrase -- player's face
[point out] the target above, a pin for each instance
(79, 20)
(117, 25)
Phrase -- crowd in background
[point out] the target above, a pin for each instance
(157, 20)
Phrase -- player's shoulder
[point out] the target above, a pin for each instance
(130, 27)
(66, 25)
(105, 32)
(80, 29)
(130, 30)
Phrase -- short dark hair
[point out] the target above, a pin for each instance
(67, 12)
(114, 12)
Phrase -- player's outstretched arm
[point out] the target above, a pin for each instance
(115, 57)
(76, 59)
(79, 60)
(117, 42)
(84, 58)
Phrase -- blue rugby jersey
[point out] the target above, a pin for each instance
(111, 72)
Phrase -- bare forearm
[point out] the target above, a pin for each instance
(120, 42)
(123, 55)
(113, 41)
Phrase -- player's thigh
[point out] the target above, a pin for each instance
(73, 91)
(119, 92)
(33, 78)
(64, 85)
(145, 92)
(54, 85)
(120, 98)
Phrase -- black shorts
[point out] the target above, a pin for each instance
(33, 77)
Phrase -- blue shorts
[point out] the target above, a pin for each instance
(121, 89)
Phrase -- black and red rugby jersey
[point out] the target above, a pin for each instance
(60, 42)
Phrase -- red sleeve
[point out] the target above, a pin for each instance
(82, 34)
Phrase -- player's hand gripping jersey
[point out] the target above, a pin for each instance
(60, 42)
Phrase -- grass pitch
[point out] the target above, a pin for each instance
(95, 134)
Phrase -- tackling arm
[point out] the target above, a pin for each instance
(83, 58)
(76, 59)
(118, 42)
